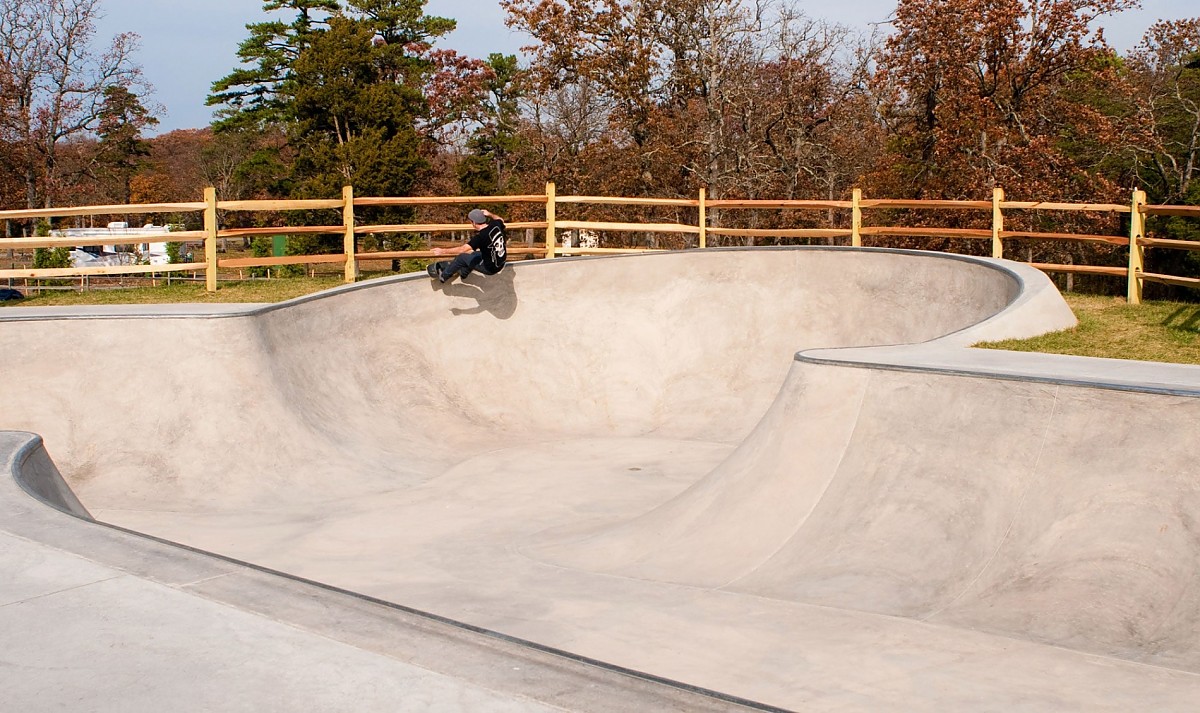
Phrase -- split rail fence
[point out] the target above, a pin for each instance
(1134, 272)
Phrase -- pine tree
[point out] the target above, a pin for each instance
(122, 119)
(259, 94)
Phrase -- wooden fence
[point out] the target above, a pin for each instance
(998, 207)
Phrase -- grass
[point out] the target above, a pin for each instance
(276, 290)
(1108, 327)
(260, 290)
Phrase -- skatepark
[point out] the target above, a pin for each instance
(730, 479)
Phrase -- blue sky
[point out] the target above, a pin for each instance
(187, 44)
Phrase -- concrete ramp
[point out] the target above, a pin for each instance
(1055, 513)
(385, 385)
(780, 474)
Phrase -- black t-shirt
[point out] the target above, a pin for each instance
(490, 240)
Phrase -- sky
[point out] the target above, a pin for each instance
(186, 45)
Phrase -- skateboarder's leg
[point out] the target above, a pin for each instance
(461, 265)
(473, 261)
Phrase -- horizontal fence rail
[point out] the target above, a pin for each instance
(704, 209)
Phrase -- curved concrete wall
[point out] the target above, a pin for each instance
(382, 385)
(34, 471)
(688, 344)
(1054, 512)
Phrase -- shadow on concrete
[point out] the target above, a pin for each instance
(495, 294)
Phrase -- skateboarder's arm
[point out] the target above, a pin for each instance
(492, 215)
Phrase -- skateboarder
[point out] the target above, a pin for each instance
(485, 251)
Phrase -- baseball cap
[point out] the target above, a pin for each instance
(477, 216)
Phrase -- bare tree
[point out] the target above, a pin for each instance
(1166, 78)
(58, 82)
(740, 96)
(561, 125)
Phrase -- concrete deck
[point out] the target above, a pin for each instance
(578, 466)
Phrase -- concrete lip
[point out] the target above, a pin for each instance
(641, 472)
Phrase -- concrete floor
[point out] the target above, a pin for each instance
(641, 472)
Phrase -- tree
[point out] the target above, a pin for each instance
(44, 258)
(359, 92)
(351, 127)
(12, 186)
(974, 93)
(57, 82)
(121, 148)
(559, 130)
(608, 44)
(1166, 82)
(1164, 86)
(402, 25)
(451, 85)
(743, 97)
(258, 95)
(779, 102)
(496, 140)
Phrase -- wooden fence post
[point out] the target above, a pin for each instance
(210, 238)
(703, 218)
(856, 218)
(348, 225)
(550, 206)
(997, 223)
(1137, 254)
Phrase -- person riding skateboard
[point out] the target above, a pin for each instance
(485, 251)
